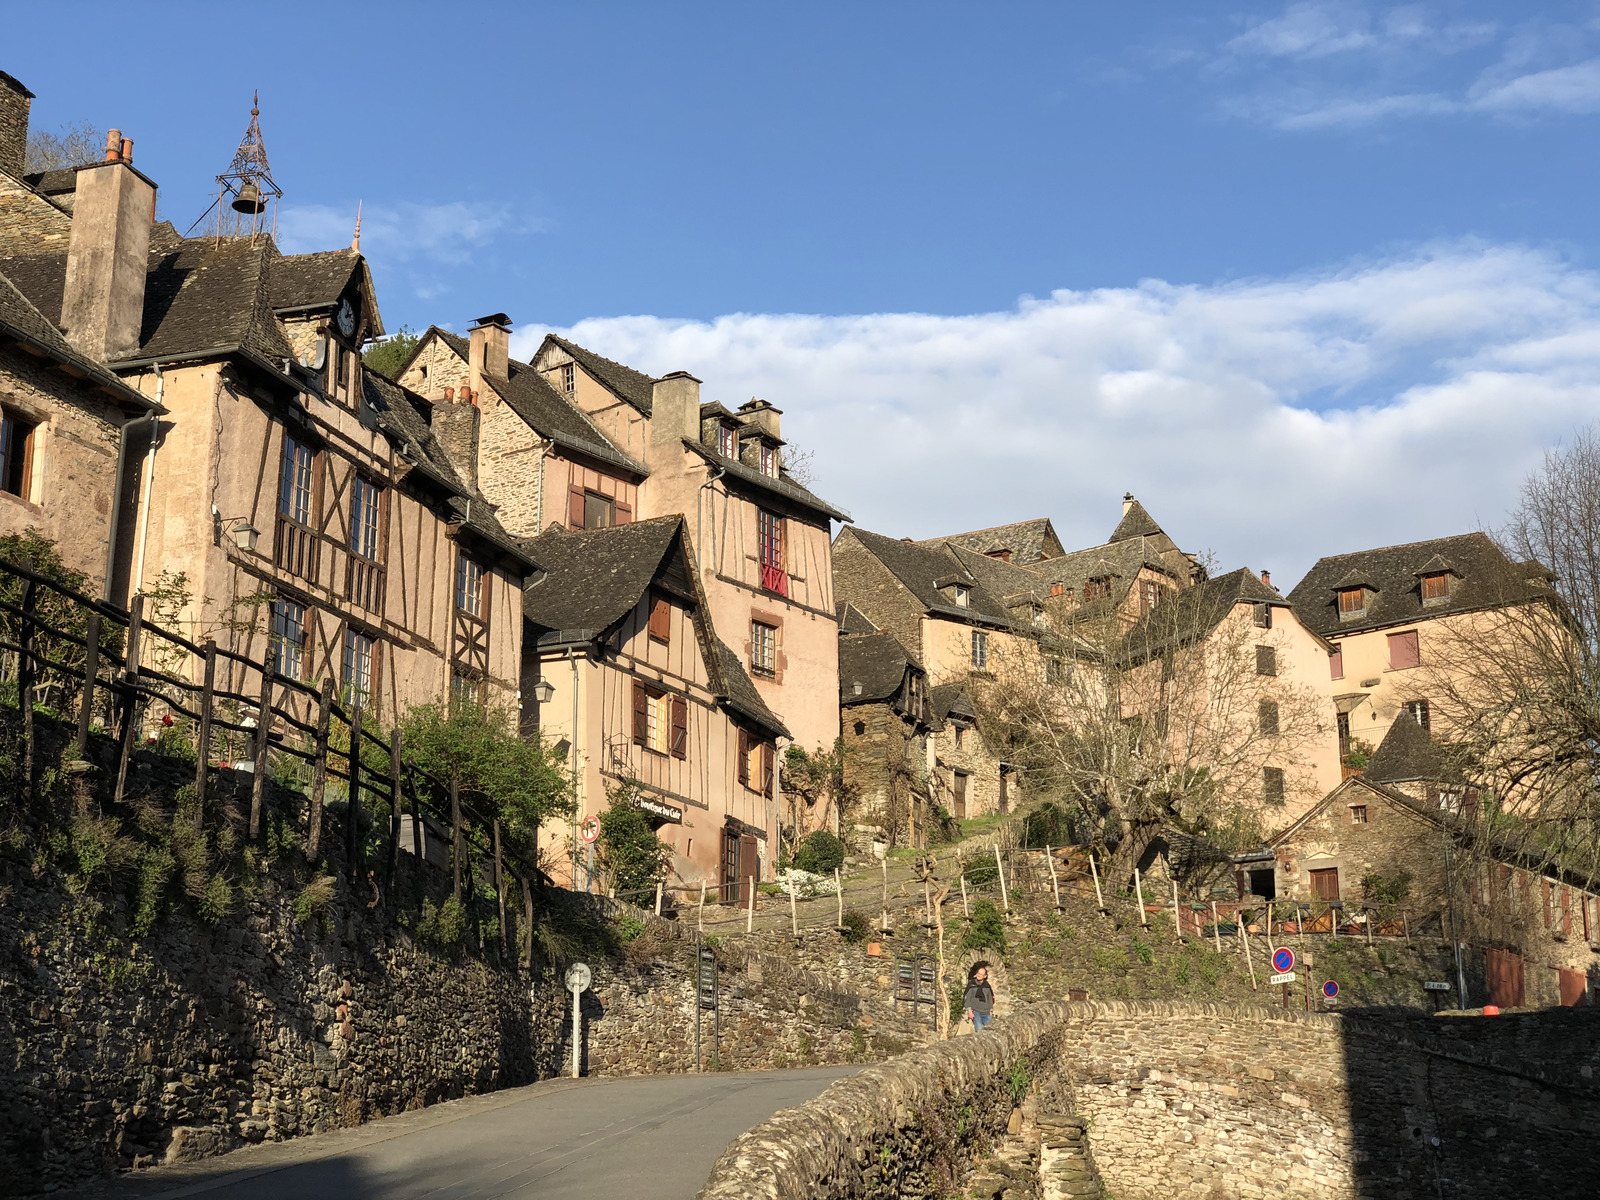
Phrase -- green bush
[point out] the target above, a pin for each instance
(314, 897)
(821, 854)
(1047, 825)
(630, 851)
(629, 928)
(854, 928)
(986, 930)
(981, 872)
(443, 927)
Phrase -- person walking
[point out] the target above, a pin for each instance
(979, 999)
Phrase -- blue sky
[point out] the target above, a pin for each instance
(1209, 252)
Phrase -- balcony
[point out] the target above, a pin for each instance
(776, 580)
(296, 548)
(364, 584)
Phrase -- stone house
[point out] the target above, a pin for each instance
(623, 665)
(886, 714)
(313, 515)
(1405, 828)
(1021, 542)
(1394, 617)
(970, 778)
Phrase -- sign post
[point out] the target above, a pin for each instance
(706, 999)
(590, 833)
(578, 979)
(1283, 964)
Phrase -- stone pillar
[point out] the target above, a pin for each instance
(1066, 1165)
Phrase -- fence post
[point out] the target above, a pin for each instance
(965, 910)
(25, 677)
(499, 884)
(659, 884)
(258, 779)
(202, 756)
(1216, 926)
(749, 911)
(1055, 884)
(527, 915)
(455, 836)
(1138, 891)
(1001, 871)
(352, 822)
(319, 771)
(1099, 898)
(391, 862)
(1245, 938)
(130, 678)
(700, 913)
(416, 827)
(794, 917)
(838, 888)
(1177, 914)
(91, 670)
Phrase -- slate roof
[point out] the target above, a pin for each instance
(22, 320)
(951, 699)
(1011, 585)
(593, 578)
(52, 183)
(1119, 562)
(922, 568)
(1408, 754)
(1136, 522)
(782, 486)
(852, 620)
(546, 411)
(302, 281)
(1190, 615)
(878, 662)
(637, 388)
(1487, 579)
(1028, 541)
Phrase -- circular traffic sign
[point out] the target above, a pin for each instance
(1330, 989)
(590, 830)
(1282, 960)
(578, 977)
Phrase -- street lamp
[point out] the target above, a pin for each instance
(543, 691)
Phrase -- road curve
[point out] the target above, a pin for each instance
(648, 1138)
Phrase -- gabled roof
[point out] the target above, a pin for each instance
(21, 320)
(308, 281)
(852, 620)
(1408, 754)
(1487, 579)
(876, 661)
(1136, 522)
(635, 387)
(922, 569)
(546, 411)
(951, 700)
(593, 578)
(782, 486)
(1028, 541)
(1192, 614)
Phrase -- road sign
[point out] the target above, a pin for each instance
(590, 830)
(578, 977)
(1330, 989)
(1285, 977)
(1435, 986)
(1283, 959)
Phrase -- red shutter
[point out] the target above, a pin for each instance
(624, 513)
(575, 507)
(766, 768)
(1403, 650)
(660, 619)
(680, 727)
(641, 714)
(1336, 664)
(744, 758)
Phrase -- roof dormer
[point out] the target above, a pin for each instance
(1437, 579)
(1355, 594)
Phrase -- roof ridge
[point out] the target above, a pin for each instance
(1449, 537)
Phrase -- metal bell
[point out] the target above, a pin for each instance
(249, 199)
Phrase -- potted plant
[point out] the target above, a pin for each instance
(1357, 754)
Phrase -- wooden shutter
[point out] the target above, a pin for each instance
(1266, 660)
(1336, 663)
(1403, 651)
(575, 507)
(1267, 716)
(749, 867)
(624, 512)
(1503, 971)
(641, 714)
(744, 758)
(1325, 884)
(660, 619)
(680, 727)
(768, 754)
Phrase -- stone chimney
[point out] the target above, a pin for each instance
(489, 348)
(102, 303)
(455, 424)
(675, 409)
(1127, 502)
(15, 101)
(762, 415)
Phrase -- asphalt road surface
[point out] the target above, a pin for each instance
(650, 1138)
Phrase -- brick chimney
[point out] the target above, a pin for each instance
(675, 410)
(762, 415)
(1127, 502)
(102, 304)
(1266, 578)
(15, 101)
(455, 424)
(489, 348)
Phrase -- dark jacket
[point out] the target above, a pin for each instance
(979, 997)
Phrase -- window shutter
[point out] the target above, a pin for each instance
(680, 727)
(1266, 660)
(575, 507)
(1336, 664)
(744, 758)
(660, 619)
(1268, 716)
(624, 513)
(641, 714)
(1403, 650)
(767, 765)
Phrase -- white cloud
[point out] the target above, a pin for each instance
(446, 234)
(1272, 421)
(1574, 89)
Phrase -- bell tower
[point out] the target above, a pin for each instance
(246, 188)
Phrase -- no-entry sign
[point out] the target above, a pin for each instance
(1330, 989)
(1282, 959)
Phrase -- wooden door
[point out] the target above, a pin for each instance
(1504, 971)
(728, 880)
(1325, 884)
(749, 868)
(1574, 987)
(960, 783)
(1005, 781)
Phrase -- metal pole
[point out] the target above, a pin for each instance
(1099, 898)
(577, 1032)
(202, 757)
(1000, 867)
(697, 1058)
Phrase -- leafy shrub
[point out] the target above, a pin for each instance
(1047, 825)
(629, 848)
(314, 897)
(986, 930)
(442, 927)
(981, 872)
(629, 928)
(214, 900)
(1386, 891)
(821, 854)
(853, 928)
(1018, 1081)
(1143, 951)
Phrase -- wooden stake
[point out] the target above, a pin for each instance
(1099, 898)
(91, 672)
(26, 673)
(794, 918)
(391, 861)
(499, 876)
(838, 890)
(258, 779)
(1177, 915)
(700, 915)
(130, 712)
(1245, 937)
(1000, 867)
(1055, 884)
(883, 923)
(202, 756)
(750, 909)
(319, 778)
(1138, 892)
(659, 884)
(966, 911)
(455, 834)
(1216, 926)
(1368, 924)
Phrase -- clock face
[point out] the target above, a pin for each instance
(345, 318)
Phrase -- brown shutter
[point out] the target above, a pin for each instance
(641, 717)
(1336, 664)
(660, 619)
(767, 753)
(575, 507)
(1403, 650)
(744, 758)
(680, 727)
(624, 513)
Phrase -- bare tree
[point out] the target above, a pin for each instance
(70, 146)
(1167, 724)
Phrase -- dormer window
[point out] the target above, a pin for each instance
(1096, 589)
(963, 596)
(1436, 588)
(1038, 617)
(769, 461)
(727, 441)
(1352, 603)
(569, 380)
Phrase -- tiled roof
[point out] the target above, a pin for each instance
(876, 661)
(303, 280)
(951, 699)
(923, 568)
(637, 388)
(546, 411)
(1117, 562)
(1136, 522)
(1190, 615)
(852, 620)
(1028, 541)
(782, 486)
(1408, 754)
(1487, 578)
(740, 694)
(20, 318)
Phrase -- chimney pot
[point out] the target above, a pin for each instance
(450, 394)
(113, 145)
(1266, 578)
(127, 151)
(1127, 502)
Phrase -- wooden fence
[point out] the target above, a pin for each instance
(99, 661)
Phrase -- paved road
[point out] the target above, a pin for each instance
(651, 1138)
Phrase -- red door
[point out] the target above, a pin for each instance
(728, 883)
(749, 869)
(1504, 969)
(1574, 987)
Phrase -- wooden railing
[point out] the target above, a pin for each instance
(775, 579)
(296, 548)
(97, 659)
(364, 584)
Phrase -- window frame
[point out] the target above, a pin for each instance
(351, 663)
(980, 650)
(769, 461)
(1267, 661)
(1267, 717)
(1359, 815)
(1262, 616)
(1349, 610)
(300, 459)
(1438, 583)
(569, 379)
(727, 440)
(1407, 637)
(659, 621)
(13, 464)
(1336, 662)
(770, 552)
(1420, 711)
(280, 623)
(763, 649)
(1274, 786)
